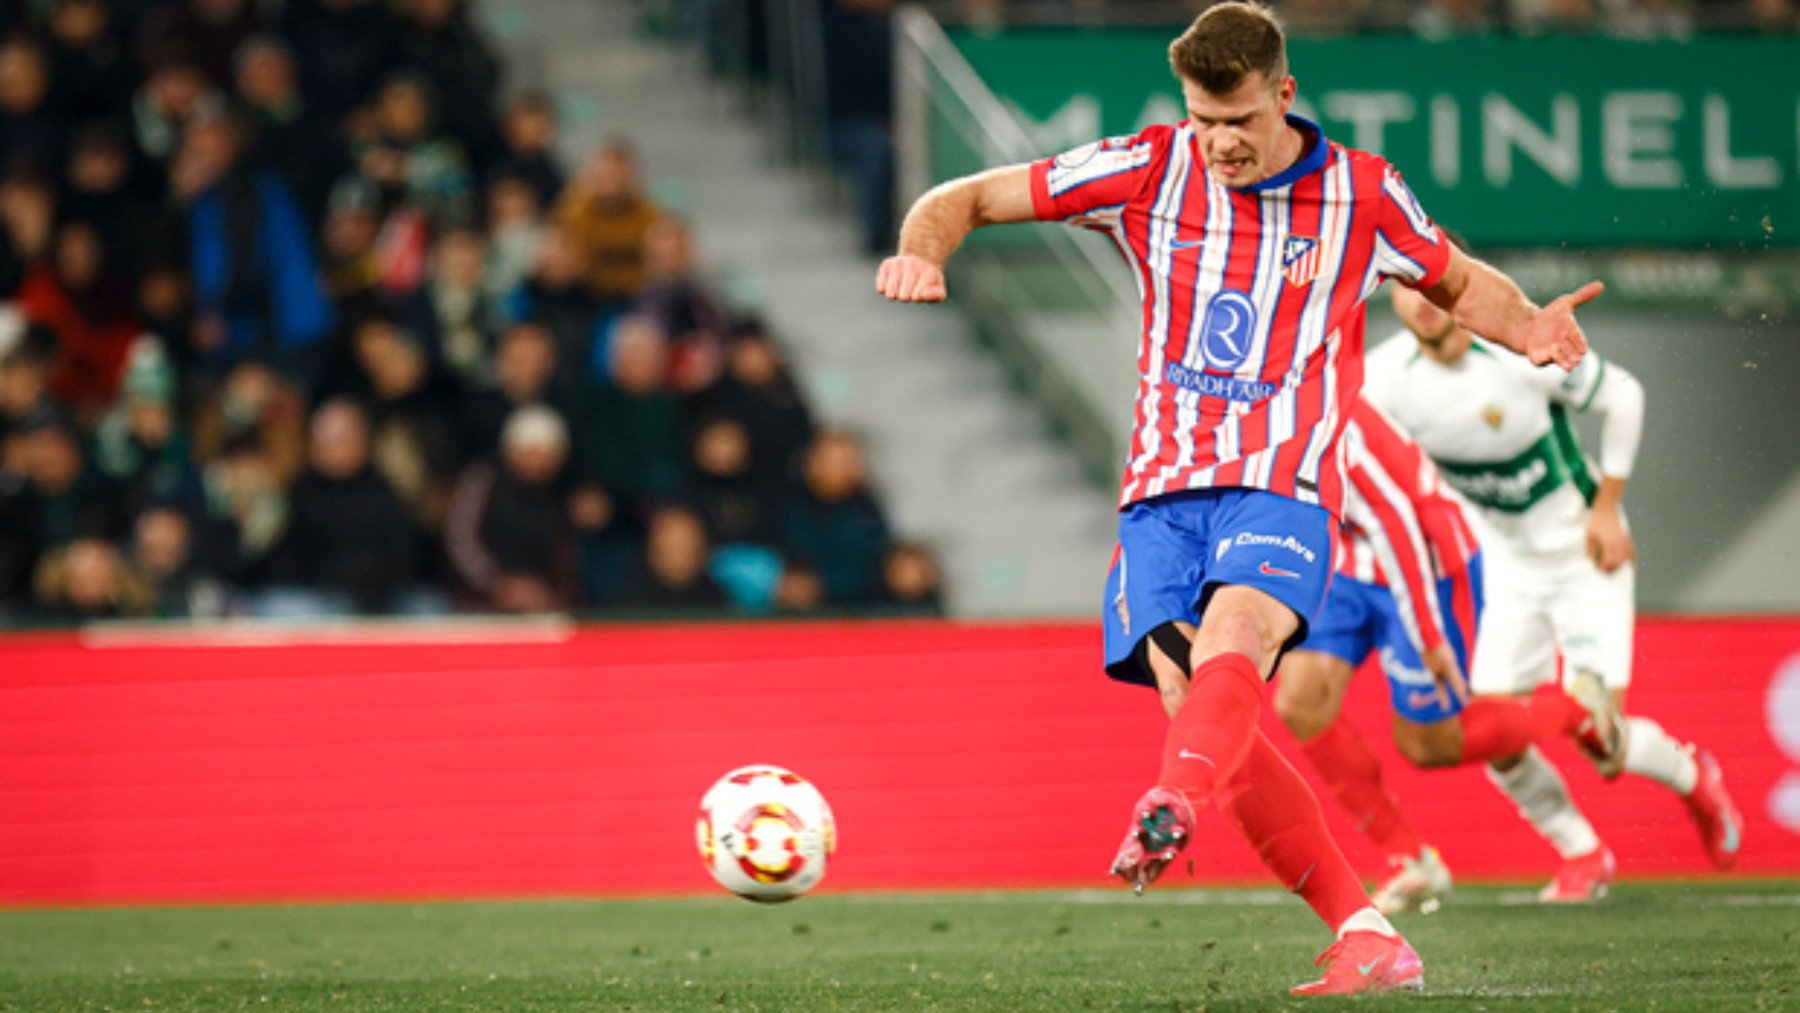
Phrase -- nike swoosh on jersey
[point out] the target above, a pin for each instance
(1276, 571)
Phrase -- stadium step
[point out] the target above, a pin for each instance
(961, 461)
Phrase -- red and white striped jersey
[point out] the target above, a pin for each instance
(1251, 341)
(1403, 526)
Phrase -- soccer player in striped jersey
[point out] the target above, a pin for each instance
(1408, 588)
(1255, 241)
(1561, 579)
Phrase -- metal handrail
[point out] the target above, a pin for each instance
(927, 49)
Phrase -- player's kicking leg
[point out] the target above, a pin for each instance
(1309, 699)
(1269, 549)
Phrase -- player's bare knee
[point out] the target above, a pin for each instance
(1304, 706)
(1438, 744)
(1235, 629)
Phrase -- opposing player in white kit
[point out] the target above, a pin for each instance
(1560, 573)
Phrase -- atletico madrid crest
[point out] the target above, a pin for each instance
(1300, 259)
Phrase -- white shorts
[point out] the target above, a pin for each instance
(1538, 605)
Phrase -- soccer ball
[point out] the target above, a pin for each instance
(765, 833)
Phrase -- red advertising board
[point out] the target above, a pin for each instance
(954, 755)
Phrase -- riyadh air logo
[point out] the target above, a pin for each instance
(1225, 332)
(1784, 728)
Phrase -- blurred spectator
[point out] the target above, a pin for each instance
(416, 443)
(25, 357)
(174, 92)
(833, 525)
(607, 217)
(525, 374)
(1444, 19)
(510, 534)
(137, 443)
(671, 575)
(100, 186)
(203, 32)
(27, 220)
(858, 50)
(408, 157)
(287, 133)
(681, 307)
(31, 130)
(73, 498)
(352, 266)
(257, 408)
(800, 589)
(461, 308)
(90, 74)
(257, 286)
(910, 581)
(1772, 17)
(76, 296)
(556, 297)
(515, 233)
(1536, 17)
(438, 38)
(245, 512)
(88, 579)
(1648, 19)
(630, 429)
(726, 490)
(165, 308)
(350, 545)
(757, 387)
(528, 154)
(20, 540)
(162, 551)
(607, 546)
(344, 47)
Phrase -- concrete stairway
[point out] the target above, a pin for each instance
(961, 461)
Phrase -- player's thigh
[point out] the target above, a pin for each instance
(1515, 641)
(1266, 576)
(1594, 614)
(1312, 679)
(1154, 579)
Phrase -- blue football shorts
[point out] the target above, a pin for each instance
(1175, 550)
(1359, 619)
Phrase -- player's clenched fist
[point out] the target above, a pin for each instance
(906, 278)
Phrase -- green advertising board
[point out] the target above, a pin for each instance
(1583, 142)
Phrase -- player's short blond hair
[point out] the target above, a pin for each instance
(1227, 43)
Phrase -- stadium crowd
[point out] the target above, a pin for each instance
(299, 316)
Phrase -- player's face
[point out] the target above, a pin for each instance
(1433, 327)
(1239, 132)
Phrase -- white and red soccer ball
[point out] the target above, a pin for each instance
(765, 833)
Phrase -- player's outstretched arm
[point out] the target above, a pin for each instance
(1491, 304)
(938, 222)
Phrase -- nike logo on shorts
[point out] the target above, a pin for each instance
(1275, 571)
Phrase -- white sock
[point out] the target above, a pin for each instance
(1366, 920)
(1543, 801)
(1652, 753)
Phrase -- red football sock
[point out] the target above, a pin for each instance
(1341, 758)
(1497, 726)
(1276, 814)
(1213, 729)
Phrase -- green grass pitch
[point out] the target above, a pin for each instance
(1723, 945)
